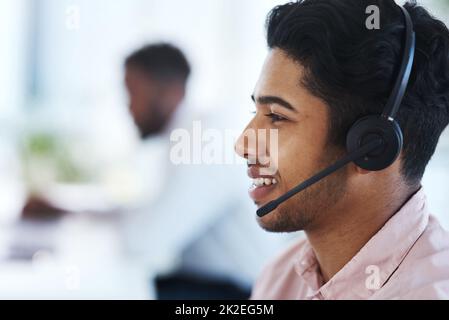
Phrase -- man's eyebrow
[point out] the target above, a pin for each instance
(264, 100)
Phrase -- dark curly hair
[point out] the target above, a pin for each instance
(353, 69)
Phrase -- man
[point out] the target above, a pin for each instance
(156, 78)
(369, 234)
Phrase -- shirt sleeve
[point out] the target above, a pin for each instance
(192, 198)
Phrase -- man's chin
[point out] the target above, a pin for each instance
(272, 222)
(279, 221)
(269, 227)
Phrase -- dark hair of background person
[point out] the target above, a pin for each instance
(353, 69)
(161, 61)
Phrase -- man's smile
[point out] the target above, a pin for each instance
(262, 185)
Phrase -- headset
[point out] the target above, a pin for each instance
(374, 142)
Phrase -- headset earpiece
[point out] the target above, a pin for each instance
(370, 128)
(384, 127)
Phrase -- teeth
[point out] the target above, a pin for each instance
(259, 182)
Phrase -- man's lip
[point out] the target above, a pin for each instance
(254, 173)
(259, 194)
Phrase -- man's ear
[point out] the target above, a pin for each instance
(359, 170)
(395, 165)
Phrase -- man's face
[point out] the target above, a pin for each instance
(145, 102)
(301, 119)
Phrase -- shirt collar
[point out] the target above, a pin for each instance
(371, 268)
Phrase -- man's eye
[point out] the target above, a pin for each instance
(275, 117)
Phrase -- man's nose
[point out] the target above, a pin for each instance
(246, 145)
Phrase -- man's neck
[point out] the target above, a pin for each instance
(353, 225)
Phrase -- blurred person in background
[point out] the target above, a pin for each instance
(192, 225)
(156, 79)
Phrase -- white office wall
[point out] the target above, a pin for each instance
(13, 25)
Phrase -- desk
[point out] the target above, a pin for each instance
(78, 257)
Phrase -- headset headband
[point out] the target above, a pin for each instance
(400, 86)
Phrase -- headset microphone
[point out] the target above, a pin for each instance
(374, 142)
(366, 149)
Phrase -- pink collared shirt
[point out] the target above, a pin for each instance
(407, 259)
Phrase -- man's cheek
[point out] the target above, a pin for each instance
(268, 151)
(275, 159)
(291, 167)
